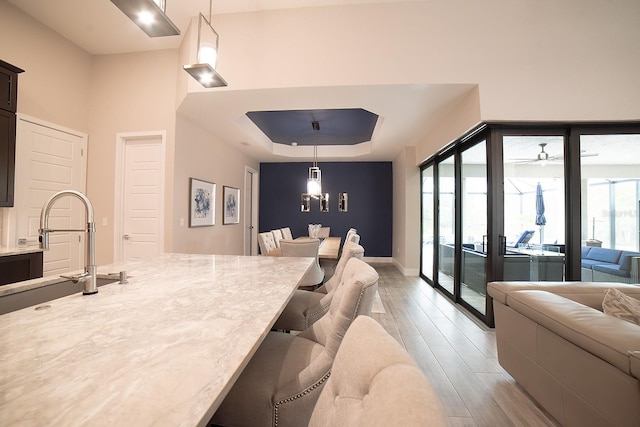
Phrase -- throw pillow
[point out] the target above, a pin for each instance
(621, 306)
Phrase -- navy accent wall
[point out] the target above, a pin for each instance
(370, 189)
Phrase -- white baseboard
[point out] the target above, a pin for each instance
(413, 272)
(369, 259)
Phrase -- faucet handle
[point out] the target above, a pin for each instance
(44, 239)
(78, 277)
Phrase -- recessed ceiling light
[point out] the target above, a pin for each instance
(295, 144)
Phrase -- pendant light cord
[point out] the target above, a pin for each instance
(316, 128)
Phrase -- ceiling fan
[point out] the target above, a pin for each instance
(543, 157)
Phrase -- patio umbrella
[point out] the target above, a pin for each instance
(540, 219)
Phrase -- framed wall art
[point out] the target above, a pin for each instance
(230, 205)
(202, 201)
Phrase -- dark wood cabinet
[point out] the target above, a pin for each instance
(8, 106)
(7, 157)
(19, 267)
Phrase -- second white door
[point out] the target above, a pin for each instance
(139, 233)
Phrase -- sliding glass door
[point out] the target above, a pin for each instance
(534, 207)
(531, 203)
(427, 252)
(610, 220)
(473, 256)
(446, 216)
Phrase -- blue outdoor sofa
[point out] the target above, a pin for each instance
(610, 265)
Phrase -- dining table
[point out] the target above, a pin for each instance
(329, 247)
(162, 348)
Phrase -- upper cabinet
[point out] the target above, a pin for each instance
(8, 108)
(9, 86)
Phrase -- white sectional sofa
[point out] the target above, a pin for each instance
(580, 364)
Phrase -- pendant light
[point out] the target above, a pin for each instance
(149, 15)
(207, 50)
(314, 181)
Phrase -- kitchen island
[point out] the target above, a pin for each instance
(162, 349)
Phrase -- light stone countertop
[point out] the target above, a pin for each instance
(163, 349)
(5, 251)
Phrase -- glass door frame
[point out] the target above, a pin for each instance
(493, 133)
(479, 135)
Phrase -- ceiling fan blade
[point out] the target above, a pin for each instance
(521, 161)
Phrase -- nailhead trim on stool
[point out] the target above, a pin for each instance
(299, 395)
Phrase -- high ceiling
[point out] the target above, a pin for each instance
(98, 27)
(404, 111)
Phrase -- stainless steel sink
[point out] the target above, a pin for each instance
(48, 292)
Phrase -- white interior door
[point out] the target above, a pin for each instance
(139, 233)
(50, 159)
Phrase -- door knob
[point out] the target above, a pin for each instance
(125, 237)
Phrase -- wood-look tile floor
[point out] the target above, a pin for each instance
(456, 352)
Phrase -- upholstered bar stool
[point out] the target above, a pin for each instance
(283, 379)
(305, 248)
(374, 382)
(329, 284)
(349, 233)
(306, 307)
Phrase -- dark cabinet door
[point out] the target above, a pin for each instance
(7, 157)
(8, 89)
(16, 268)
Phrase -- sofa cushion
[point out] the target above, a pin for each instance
(625, 259)
(589, 263)
(586, 293)
(585, 251)
(621, 306)
(604, 254)
(614, 269)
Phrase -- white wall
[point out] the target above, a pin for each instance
(542, 60)
(406, 212)
(56, 81)
(129, 93)
(200, 155)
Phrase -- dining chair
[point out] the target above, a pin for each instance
(281, 383)
(324, 232)
(266, 242)
(305, 248)
(306, 307)
(277, 236)
(286, 233)
(374, 382)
